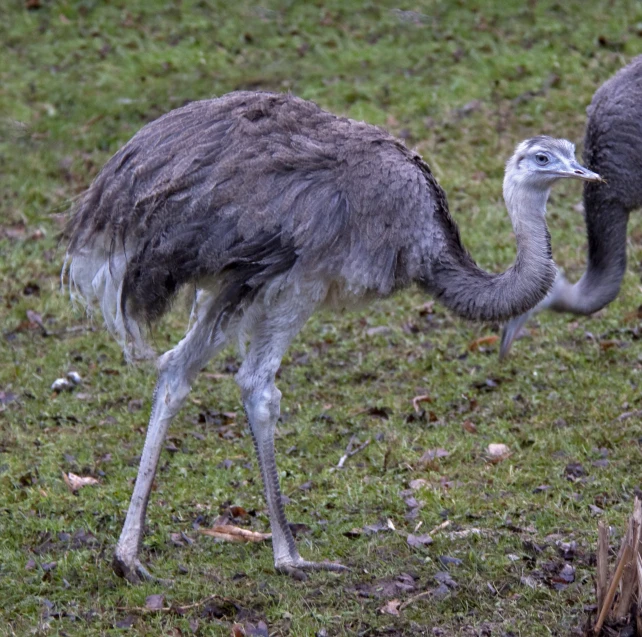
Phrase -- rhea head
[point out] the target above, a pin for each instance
(537, 164)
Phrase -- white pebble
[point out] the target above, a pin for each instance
(74, 377)
(61, 384)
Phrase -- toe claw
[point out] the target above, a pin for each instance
(134, 572)
(337, 567)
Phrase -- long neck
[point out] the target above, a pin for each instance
(606, 221)
(457, 281)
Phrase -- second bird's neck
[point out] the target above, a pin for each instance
(606, 223)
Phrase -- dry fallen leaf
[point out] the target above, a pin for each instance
(230, 533)
(75, 482)
(418, 541)
(7, 397)
(497, 452)
(154, 602)
(473, 346)
(391, 607)
(250, 630)
(469, 426)
(238, 511)
(430, 455)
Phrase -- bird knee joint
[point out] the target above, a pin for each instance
(262, 404)
(173, 389)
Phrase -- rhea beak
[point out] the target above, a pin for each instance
(577, 171)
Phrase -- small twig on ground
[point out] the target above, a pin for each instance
(415, 598)
(351, 450)
(204, 601)
(231, 533)
(629, 414)
(166, 609)
(74, 329)
(440, 527)
(424, 398)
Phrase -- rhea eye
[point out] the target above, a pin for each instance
(541, 159)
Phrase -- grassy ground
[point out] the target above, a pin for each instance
(462, 82)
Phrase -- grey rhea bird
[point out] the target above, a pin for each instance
(612, 148)
(271, 208)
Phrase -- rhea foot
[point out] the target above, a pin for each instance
(297, 568)
(134, 572)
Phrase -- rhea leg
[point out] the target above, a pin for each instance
(261, 400)
(176, 371)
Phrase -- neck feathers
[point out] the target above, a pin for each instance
(457, 281)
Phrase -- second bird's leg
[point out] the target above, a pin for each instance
(262, 399)
(176, 371)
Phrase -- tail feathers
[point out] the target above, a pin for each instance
(96, 279)
(134, 288)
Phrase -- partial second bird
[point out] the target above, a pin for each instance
(270, 208)
(613, 148)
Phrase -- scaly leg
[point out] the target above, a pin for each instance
(177, 369)
(262, 400)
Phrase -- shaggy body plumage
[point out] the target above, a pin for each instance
(270, 208)
(612, 148)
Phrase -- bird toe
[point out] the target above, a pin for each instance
(298, 569)
(134, 572)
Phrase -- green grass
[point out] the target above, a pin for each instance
(77, 79)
